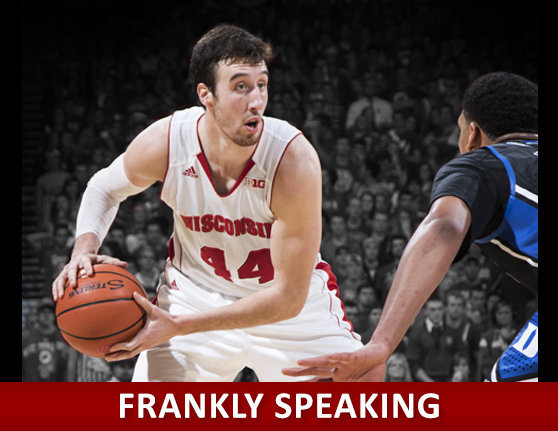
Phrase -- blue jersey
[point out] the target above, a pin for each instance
(514, 244)
(499, 184)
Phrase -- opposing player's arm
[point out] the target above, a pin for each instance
(424, 263)
(142, 164)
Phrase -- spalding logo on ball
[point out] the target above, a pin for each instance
(100, 311)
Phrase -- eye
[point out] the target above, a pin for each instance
(241, 86)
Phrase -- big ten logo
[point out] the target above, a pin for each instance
(254, 182)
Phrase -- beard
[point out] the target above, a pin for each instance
(235, 133)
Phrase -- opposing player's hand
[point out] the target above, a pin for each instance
(85, 262)
(364, 365)
(160, 326)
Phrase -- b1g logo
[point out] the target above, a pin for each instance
(254, 182)
(111, 284)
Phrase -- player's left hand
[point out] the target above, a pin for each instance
(159, 327)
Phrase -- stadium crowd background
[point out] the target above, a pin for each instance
(375, 86)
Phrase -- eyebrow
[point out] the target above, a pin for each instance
(242, 74)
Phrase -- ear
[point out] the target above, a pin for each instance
(205, 95)
(475, 139)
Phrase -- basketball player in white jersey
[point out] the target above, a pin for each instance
(244, 284)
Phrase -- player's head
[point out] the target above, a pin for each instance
(498, 103)
(228, 69)
(225, 43)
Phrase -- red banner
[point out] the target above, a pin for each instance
(249, 406)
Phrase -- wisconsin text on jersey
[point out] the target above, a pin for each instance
(218, 223)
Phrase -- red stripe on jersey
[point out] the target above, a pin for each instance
(334, 287)
(277, 167)
(168, 155)
(170, 249)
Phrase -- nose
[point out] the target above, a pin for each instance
(256, 101)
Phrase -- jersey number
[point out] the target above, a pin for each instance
(257, 265)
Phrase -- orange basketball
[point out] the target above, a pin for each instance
(101, 310)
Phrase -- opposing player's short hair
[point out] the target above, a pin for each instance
(501, 103)
(225, 42)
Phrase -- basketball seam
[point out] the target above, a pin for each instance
(108, 335)
(93, 303)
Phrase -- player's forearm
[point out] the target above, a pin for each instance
(424, 263)
(87, 243)
(267, 306)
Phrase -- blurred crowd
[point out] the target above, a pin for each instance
(375, 87)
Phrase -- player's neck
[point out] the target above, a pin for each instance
(517, 137)
(225, 158)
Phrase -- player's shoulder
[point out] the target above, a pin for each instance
(301, 154)
(279, 128)
(186, 115)
(479, 161)
(299, 170)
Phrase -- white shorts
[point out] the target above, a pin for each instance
(218, 356)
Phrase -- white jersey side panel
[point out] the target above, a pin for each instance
(221, 242)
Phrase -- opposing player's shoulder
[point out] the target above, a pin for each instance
(480, 162)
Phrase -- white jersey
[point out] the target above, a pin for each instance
(221, 242)
(219, 252)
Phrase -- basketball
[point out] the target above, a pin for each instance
(100, 311)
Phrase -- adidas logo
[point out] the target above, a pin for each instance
(173, 285)
(190, 172)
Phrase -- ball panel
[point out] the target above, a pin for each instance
(108, 282)
(101, 310)
(101, 319)
(99, 347)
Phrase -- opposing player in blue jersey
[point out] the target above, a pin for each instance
(487, 195)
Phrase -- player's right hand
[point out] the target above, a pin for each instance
(364, 365)
(81, 262)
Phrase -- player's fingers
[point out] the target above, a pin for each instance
(58, 286)
(118, 350)
(120, 355)
(309, 371)
(143, 302)
(86, 266)
(322, 361)
(111, 260)
(71, 272)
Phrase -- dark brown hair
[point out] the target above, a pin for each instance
(502, 103)
(225, 42)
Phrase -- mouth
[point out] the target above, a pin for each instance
(252, 124)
